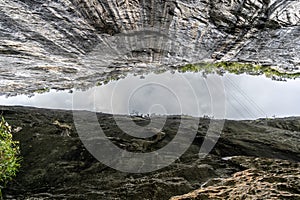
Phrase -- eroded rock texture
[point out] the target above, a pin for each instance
(264, 179)
(66, 43)
(56, 165)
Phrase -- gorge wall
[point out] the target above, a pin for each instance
(75, 43)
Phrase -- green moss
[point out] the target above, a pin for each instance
(9, 151)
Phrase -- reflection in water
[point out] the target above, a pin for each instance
(247, 97)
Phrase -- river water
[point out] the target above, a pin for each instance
(229, 96)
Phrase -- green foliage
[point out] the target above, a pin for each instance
(220, 68)
(238, 68)
(42, 90)
(206, 67)
(9, 151)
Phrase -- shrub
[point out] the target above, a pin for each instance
(9, 151)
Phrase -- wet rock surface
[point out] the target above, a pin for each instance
(76, 43)
(56, 165)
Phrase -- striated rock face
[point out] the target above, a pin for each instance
(75, 43)
(56, 165)
(264, 179)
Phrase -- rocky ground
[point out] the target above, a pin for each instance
(263, 179)
(251, 160)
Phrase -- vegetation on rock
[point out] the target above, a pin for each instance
(240, 68)
(220, 68)
(9, 151)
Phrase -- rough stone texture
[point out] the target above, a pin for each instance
(56, 165)
(265, 179)
(76, 43)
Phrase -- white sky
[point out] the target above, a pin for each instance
(247, 97)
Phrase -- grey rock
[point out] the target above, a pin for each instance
(76, 43)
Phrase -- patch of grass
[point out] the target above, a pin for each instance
(9, 151)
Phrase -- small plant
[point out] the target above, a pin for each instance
(42, 90)
(9, 151)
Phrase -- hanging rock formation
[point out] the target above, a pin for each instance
(75, 43)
